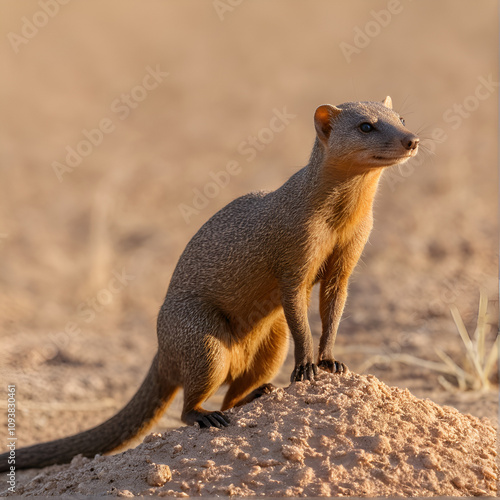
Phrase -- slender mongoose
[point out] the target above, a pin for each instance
(245, 279)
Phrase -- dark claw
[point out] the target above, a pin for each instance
(332, 366)
(304, 372)
(204, 422)
(264, 389)
(220, 417)
(215, 419)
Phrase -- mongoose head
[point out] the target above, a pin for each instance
(363, 135)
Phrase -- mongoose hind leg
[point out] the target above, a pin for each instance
(252, 383)
(256, 393)
(205, 370)
(197, 390)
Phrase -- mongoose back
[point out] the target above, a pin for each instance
(244, 281)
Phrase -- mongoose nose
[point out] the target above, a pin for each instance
(410, 142)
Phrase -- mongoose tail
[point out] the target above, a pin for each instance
(139, 414)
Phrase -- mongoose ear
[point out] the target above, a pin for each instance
(387, 102)
(323, 120)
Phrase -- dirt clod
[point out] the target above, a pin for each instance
(159, 474)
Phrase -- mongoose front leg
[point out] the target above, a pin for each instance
(332, 301)
(295, 304)
(333, 295)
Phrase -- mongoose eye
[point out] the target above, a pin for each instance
(366, 127)
(402, 121)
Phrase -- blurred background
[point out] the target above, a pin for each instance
(117, 121)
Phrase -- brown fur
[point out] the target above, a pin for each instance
(245, 279)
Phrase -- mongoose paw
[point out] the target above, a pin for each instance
(306, 371)
(214, 419)
(256, 393)
(332, 366)
(264, 389)
(206, 418)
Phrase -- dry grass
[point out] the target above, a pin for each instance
(480, 362)
(477, 366)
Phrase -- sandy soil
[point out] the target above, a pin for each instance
(346, 435)
(74, 344)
